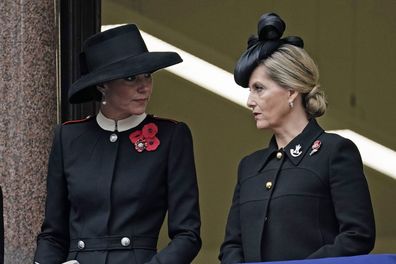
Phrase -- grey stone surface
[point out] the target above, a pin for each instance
(28, 110)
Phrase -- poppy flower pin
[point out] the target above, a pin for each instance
(145, 139)
(315, 147)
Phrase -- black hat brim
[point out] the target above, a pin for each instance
(84, 89)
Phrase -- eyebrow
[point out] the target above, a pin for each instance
(257, 83)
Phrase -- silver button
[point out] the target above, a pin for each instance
(125, 241)
(279, 155)
(113, 137)
(81, 244)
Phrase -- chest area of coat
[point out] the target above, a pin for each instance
(284, 179)
(101, 169)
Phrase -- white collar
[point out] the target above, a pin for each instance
(120, 125)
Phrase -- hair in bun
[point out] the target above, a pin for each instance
(315, 102)
(292, 67)
(269, 32)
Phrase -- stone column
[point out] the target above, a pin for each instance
(28, 113)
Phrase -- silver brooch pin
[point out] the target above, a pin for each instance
(296, 151)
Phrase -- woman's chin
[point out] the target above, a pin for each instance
(132, 108)
(262, 125)
(137, 111)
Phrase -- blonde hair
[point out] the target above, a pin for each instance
(292, 67)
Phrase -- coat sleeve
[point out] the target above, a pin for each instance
(231, 250)
(352, 204)
(53, 241)
(183, 203)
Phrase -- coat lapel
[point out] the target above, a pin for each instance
(301, 144)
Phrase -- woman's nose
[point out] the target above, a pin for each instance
(144, 84)
(250, 101)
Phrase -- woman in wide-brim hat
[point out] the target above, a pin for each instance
(112, 178)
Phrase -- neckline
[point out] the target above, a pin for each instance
(119, 125)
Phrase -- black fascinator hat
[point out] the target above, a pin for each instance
(115, 54)
(270, 30)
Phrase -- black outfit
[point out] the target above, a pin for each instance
(310, 205)
(106, 201)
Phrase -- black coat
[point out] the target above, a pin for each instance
(101, 192)
(314, 205)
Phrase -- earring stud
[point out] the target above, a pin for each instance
(103, 97)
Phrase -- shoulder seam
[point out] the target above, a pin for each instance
(165, 119)
(78, 120)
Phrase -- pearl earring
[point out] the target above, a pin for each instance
(103, 98)
(291, 104)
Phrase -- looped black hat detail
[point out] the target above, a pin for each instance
(270, 30)
(114, 54)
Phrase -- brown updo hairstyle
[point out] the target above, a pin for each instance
(292, 67)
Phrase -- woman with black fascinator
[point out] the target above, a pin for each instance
(305, 195)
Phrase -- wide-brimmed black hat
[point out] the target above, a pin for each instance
(270, 29)
(114, 54)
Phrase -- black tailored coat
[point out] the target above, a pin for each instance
(100, 192)
(314, 205)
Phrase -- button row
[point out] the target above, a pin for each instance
(125, 241)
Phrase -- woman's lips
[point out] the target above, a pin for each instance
(140, 100)
(256, 115)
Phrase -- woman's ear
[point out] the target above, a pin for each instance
(292, 94)
(101, 88)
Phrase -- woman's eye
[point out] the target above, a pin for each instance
(134, 78)
(130, 78)
(258, 88)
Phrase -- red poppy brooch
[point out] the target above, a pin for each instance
(315, 147)
(145, 139)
